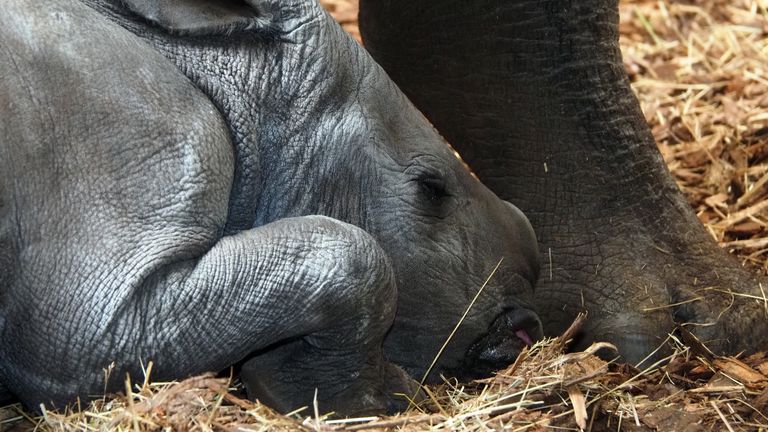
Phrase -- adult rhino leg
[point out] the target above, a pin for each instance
(313, 279)
(534, 96)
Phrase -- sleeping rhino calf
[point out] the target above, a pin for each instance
(201, 184)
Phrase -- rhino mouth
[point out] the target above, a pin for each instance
(509, 333)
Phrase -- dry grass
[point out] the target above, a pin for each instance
(544, 390)
(699, 70)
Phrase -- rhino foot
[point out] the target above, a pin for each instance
(641, 287)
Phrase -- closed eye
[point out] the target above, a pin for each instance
(434, 188)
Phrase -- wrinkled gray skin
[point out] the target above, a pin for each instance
(202, 184)
(534, 96)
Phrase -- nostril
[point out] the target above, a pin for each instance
(525, 324)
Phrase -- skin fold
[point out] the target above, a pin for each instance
(201, 184)
(534, 96)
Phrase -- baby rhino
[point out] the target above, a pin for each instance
(203, 184)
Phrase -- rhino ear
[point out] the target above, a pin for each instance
(199, 17)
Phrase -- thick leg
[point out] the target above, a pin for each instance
(534, 96)
(320, 283)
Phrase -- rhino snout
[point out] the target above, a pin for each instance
(509, 333)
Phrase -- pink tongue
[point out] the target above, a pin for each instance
(523, 335)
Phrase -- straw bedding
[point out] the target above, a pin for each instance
(700, 72)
